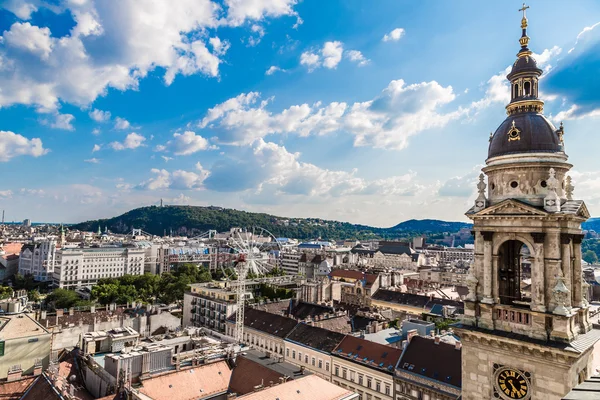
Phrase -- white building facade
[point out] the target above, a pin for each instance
(37, 260)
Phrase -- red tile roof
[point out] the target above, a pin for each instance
(247, 374)
(368, 353)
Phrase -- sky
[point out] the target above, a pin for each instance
(370, 112)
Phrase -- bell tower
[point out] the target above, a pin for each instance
(526, 331)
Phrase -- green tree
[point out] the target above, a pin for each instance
(590, 257)
(33, 295)
(5, 292)
(63, 298)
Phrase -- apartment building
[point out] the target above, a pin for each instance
(74, 268)
(37, 259)
(208, 306)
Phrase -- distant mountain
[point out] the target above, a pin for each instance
(193, 220)
(592, 224)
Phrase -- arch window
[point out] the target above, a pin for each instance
(527, 89)
(514, 272)
(515, 90)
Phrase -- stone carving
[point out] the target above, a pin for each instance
(561, 294)
(480, 201)
(472, 282)
(569, 188)
(552, 201)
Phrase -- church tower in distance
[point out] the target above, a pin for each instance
(526, 331)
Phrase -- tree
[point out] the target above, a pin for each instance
(5, 292)
(63, 298)
(590, 257)
(33, 295)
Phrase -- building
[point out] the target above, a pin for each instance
(37, 259)
(75, 268)
(411, 304)
(289, 262)
(429, 369)
(263, 331)
(308, 388)
(24, 346)
(514, 345)
(110, 341)
(365, 367)
(208, 306)
(310, 348)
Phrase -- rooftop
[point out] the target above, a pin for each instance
(414, 300)
(440, 362)
(307, 388)
(19, 326)
(200, 382)
(368, 353)
(247, 374)
(317, 338)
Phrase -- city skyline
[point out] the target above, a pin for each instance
(371, 115)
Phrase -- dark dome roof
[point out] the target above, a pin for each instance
(524, 64)
(537, 134)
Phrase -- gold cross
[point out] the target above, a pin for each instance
(523, 9)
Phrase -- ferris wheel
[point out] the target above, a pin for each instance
(256, 252)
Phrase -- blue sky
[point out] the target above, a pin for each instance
(368, 112)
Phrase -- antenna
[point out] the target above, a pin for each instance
(2, 217)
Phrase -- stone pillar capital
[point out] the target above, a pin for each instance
(487, 235)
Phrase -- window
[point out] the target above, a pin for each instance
(344, 373)
(369, 382)
(327, 367)
(300, 356)
(294, 354)
(320, 364)
(314, 361)
(352, 376)
(368, 396)
(360, 379)
(378, 386)
(337, 371)
(387, 390)
(306, 358)
(287, 352)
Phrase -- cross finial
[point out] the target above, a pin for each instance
(524, 8)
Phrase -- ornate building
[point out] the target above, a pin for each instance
(526, 334)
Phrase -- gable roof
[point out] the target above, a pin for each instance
(371, 354)
(347, 274)
(394, 247)
(440, 362)
(316, 338)
(308, 388)
(263, 321)
(247, 374)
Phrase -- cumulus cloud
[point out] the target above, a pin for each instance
(61, 121)
(116, 43)
(96, 148)
(184, 144)
(332, 54)
(272, 69)
(6, 194)
(92, 160)
(394, 35)
(96, 131)
(178, 180)
(386, 121)
(357, 57)
(14, 145)
(99, 115)
(461, 186)
(310, 60)
(132, 141)
(121, 123)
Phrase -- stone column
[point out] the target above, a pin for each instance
(487, 267)
(552, 262)
(577, 272)
(538, 274)
(478, 264)
(567, 269)
(495, 278)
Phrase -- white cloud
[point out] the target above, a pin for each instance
(394, 35)
(239, 11)
(14, 145)
(121, 123)
(95, 131)
(99, 115)
(332, 54)
(6, 194)
(357, 57)
(92, 161)
(258, 33)
(272, 69)
(96, 148)
(62, 121)
(387, 121)
(132, 141)
(178, 180)
(167, 159)
(219, 46)
(184, 144)
(461, 186)
(310, 60)
(27, 37)
(21, 8)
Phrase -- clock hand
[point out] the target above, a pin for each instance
(513, 386)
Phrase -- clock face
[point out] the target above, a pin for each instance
(512, 383)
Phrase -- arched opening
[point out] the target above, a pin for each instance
(514, 273)
(515, 91)
(527, 89)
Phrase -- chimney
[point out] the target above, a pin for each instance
(437, 339)
(458, 345)
(37, 370)
(43, 314)
(71, 311)
(92, 309)
(14, 374)
(410, 334)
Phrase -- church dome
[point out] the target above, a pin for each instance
(524, 64)
(525, 133)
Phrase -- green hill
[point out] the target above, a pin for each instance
(193, 220)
